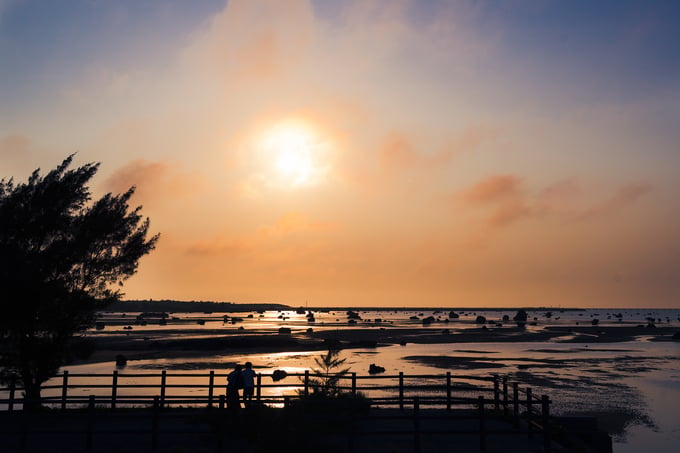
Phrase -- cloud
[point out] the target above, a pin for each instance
(560, 197)
(14, 146)
(507, 213)
(396, 153)
(265, 240)
(219, 245)
(494, 189)
(253, 39)
(293, 222)
(470, 139)
(624, 197)
(505, 195)
(16, 154)
(153, 181)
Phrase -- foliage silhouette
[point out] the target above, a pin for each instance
(61, 258)
(326, 380)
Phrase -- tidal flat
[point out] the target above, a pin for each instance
(613, 369)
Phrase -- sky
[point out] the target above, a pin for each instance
(396, 153)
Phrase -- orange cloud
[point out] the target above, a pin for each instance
(396, 153)
(265, 240)
(153, 181)
(219, 245)
(294, 222)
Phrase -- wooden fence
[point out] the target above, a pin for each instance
(493, 399)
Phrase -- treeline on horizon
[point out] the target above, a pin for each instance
(179, 306)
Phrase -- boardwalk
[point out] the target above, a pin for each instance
(200, 430)
(403, 418)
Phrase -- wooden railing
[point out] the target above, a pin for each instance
(494, 398)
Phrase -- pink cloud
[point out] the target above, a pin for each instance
(624, 197)
(559, 196)
(494, 189)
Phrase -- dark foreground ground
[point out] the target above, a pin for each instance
(297, 429)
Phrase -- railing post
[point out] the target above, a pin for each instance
(505, 395)
(306, 390)
(114, 389)
(354, 384)
(545, 412)
(164, 375)
(12, 389)
(64, 390)
(515, 401)
(416, 424)
(448, 390)
(211, 387)
(259, 386)
(90, 423)
(286, 401)
(482, 424)
(221, 402)
(496, 393)
(401, 390)
(529, 412)
(154, 423)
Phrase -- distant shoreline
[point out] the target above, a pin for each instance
(180, 306)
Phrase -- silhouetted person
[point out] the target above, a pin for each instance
(234, 382)
(248, 384)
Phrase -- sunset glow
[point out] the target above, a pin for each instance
(295, 153)
(366, 153)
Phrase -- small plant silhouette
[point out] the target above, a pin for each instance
(326, 380)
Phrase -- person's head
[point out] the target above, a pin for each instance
(249, 365)
(238, 367)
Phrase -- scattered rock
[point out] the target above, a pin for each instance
(374, 369)
(277, 375)
(121, 361)
(427, 321)
(521, 316)
(353, 315)
(284, 331)
(480, 319)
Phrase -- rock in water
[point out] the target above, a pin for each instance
(374, 369)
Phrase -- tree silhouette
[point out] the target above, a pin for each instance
(61, 258)
(326, 381)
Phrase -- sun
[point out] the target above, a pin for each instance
(294, 153)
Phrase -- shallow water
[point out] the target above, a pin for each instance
(636, 383)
